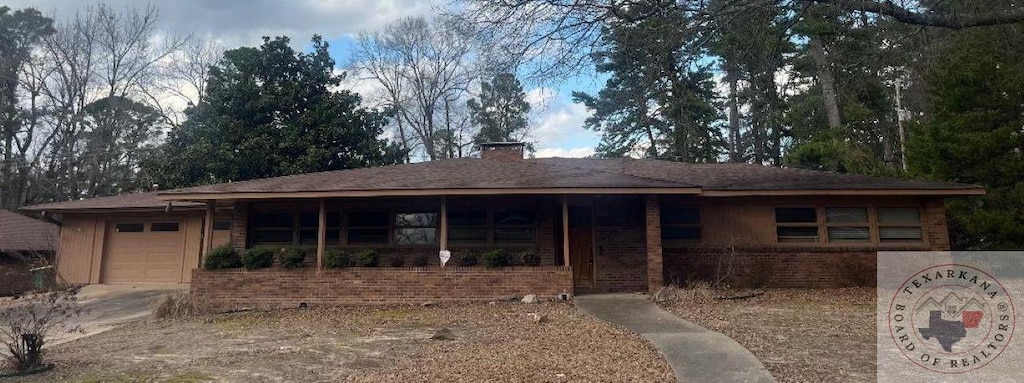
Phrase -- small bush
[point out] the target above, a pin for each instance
(222, 257)
(291, 256)
(468, 258)
(335, 259)
(178, 305)
(421, 260)
(257, 258)
(366, 258)
(397, 261)
(496, 258)
(529, 258)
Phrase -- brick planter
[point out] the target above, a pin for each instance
(283, 288)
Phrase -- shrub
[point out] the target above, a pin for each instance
(177, 305)
(366, 258)
(27, 323)
(421, 260)
(335, 259)
(291, 256)
(468, 259)
(222, 257)
(257, 258)
(529, 258)
(496, 258)
(397, 261)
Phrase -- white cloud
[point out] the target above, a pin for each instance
(565, 152)
(243, 22)
(561, 126)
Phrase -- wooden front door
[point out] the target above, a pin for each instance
(581, 245)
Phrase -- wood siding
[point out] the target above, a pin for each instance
(84, 242)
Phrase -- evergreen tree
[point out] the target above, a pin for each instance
(271, 111)
(659, 101)
(500, 111)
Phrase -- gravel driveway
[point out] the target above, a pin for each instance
(499, 342)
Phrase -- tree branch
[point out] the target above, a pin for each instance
(888, 8)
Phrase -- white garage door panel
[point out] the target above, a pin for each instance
(150, 257)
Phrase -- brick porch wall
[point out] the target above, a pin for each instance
(280, 288)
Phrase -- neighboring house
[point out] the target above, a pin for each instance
(24, 243)
(621, 224)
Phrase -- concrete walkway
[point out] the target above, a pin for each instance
(696, 354)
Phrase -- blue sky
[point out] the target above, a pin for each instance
(557, 124)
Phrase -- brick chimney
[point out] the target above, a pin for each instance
(502, 151)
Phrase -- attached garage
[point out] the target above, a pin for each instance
(145, 252)
(132, 238)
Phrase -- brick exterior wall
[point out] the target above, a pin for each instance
(797, 266)
(276, 288)
(654, 249)
(620, 255)
(240, 225)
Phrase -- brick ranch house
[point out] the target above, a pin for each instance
(598, 225)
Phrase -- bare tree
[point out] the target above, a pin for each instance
(95, 66)
(181, 79)
(422, 66)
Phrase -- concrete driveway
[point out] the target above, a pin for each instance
(108, 306)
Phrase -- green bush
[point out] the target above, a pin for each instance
(397, 261)
(366, 258)
(529, 258)
(257, 258)
(468, 258)
(335, 259)
(291, 256)
(222, 257)
(421, 260)
(496, 258)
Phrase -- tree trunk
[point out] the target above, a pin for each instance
(828, 87)
(734, 114)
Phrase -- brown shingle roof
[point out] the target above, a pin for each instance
(750, 176)
(139, 201)
(463, 173)
(469, 174)
(21, 233)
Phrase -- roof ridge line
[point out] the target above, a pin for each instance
(634, 175)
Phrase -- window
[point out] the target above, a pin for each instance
(368, 228)
(467, 226)
(899, 224)
(130, 228)
(221, 225)
(415, 228)
(309, 228)
(796, 224)
(513, 227)
(679, 224)
(273, 228)
(163, 226)
(847, 224)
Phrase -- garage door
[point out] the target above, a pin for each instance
(144, 252)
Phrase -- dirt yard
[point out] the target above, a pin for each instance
(498, 342)
(800, 335)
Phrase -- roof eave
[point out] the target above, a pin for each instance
(844, 192)
(421, 192)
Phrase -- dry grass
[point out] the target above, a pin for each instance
(801, 335)
(179, 305)
(367, 344)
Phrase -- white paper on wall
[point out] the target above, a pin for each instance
(445, 256)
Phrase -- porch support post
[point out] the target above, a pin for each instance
(321, 237)
(442, 239)
(655, 276)
(208, 227)
(565, 231)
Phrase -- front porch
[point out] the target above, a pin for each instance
(600, 243)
